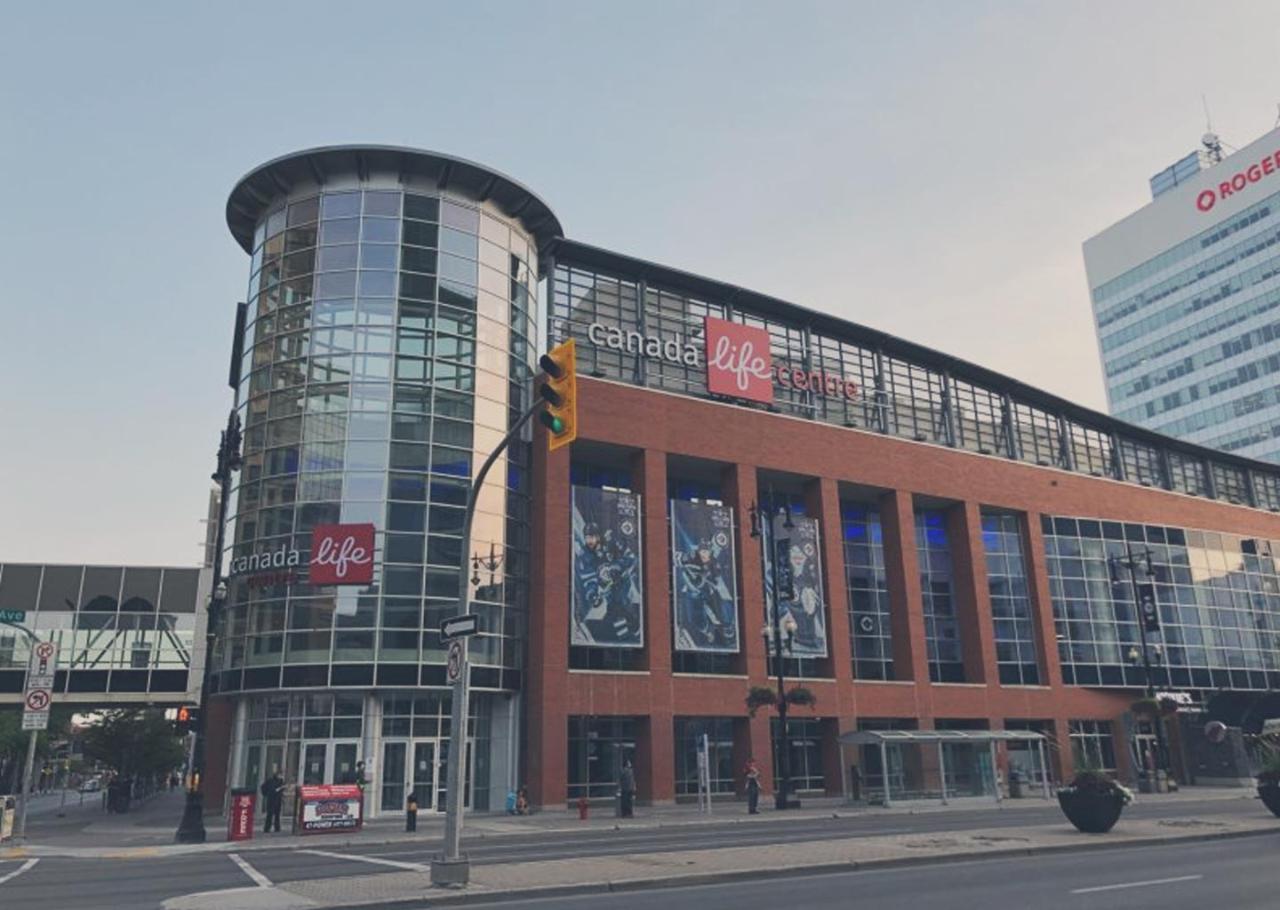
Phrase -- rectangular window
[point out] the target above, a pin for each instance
(598, 749)
(1011, 611)
(870, 627)
(688, 734)
(941, 628)
(1092, 745)
(806, 753)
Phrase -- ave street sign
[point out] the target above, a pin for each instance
(13, 615)
(458, 626)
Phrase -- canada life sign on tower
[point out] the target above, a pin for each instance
(341, 554)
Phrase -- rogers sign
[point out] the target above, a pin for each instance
(1208, 198)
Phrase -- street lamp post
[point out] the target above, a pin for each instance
(778, 636)
(1132, 562)
(191, 828)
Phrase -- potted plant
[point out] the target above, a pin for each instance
(1093, 801)
(1269, 783)
(763, 697)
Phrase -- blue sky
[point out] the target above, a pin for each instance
(929, 169)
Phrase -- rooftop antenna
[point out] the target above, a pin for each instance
(1277, 116)
(1212, 144)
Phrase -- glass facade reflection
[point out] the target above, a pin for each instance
(389, 343)
(1219, 598)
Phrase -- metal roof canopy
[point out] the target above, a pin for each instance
(261, 189)
(876, 737)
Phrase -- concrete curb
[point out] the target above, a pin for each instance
(1094, 842)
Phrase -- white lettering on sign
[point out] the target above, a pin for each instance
(285, 557)
(341, 556)
(742, 362)
(673, 350)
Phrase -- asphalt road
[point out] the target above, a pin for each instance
(143, 882)
(1237, 874)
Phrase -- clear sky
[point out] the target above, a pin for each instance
(929, 169)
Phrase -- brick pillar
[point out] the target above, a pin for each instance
(972, 596)
(655, 774)
(1041, 602)
(217, 754)
(740, 487)
(906, 610)
(822, 501)
(547, 676)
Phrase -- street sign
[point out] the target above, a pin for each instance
(38, 692)
(454, 664)
(13, 616)
(458, 626)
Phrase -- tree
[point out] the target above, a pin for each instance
(13, 743)
(134, 742)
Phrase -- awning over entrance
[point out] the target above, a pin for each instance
(985, 771)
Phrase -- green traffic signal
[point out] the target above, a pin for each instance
(552, 422)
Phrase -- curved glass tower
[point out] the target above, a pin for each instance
(390, 338)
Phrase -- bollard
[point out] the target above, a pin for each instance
(411, 813)
(584, 808)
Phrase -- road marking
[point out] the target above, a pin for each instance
(416, 867)
(258, 878)
(1153, 881)
(18, 871)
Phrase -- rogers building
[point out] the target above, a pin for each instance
(946, 528)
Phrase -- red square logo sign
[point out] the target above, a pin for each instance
(342, 555)
(738, 361)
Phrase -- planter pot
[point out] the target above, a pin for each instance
(1090, 811)
(1270, 795)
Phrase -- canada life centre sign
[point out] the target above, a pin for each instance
(737, 357)
(341, 554)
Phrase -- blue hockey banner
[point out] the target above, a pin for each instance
(704, 578)
(608, 590)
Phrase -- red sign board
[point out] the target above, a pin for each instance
(240, 821)
(738, 361)
(342, 555)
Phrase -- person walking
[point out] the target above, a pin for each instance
(752, 774)
(272, 798)
(628, 790)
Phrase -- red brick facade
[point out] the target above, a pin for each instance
(650, 427)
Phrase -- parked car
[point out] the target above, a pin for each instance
(92, 785)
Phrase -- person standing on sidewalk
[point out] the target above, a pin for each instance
(753, 787)
(628, 790)
(272, 798)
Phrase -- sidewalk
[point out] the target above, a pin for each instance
(149, 829)
(559, 878)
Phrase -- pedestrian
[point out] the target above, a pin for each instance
(753, 787)
(628, 790)
(272, 796)
(522, 801)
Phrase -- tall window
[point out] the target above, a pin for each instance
(806, 752)
(941, 630)
(1010, 601)
(869, 625)
(598, 747)
(1092, 745)
(719, 732)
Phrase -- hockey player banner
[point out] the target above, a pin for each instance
(608, 593)
(797, 551)
(704, 578)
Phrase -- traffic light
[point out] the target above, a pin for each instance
(187, 719)
(560, 392)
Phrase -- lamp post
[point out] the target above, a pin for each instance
(1148, 655)
(191, 828)
(779, 636)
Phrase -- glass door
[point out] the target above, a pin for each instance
(392, 775)
(442, 775)
(345, 756)
(314, 764)
(424, 775)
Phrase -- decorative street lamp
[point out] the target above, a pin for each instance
(1149, 656)
(779, 636)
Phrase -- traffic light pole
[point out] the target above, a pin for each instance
(452, 868)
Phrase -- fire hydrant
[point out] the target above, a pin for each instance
(583, 808)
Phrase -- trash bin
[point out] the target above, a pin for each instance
(240, 818)
(1015, 783)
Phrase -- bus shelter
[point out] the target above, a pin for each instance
(938, 764)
